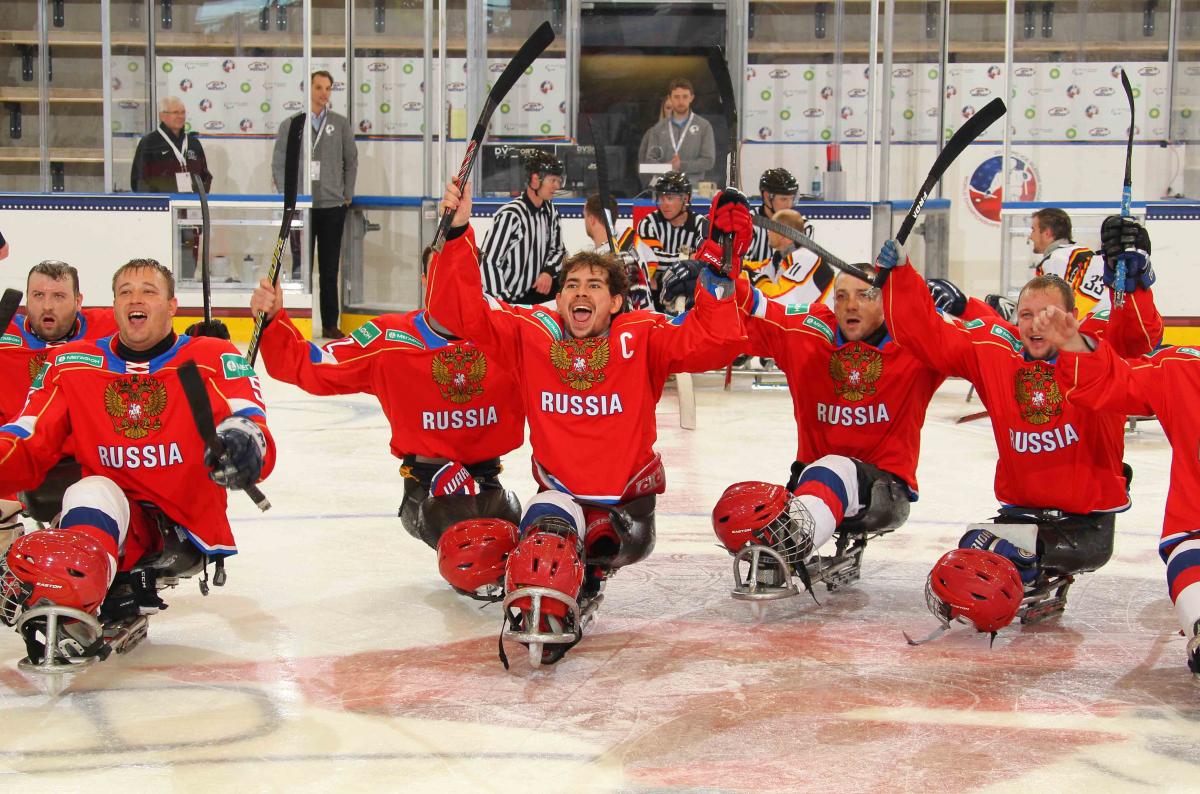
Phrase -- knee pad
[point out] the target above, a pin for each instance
(436, 514)
(1025, 561)
(554, 512)
(472, 554)
(97, 505)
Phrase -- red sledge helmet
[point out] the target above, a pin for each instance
(64, 568)
(763, 514)
(543, 559)
(978, 586)
(472, 553)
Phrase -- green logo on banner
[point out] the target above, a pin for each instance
(504, 108)
(245, 88)
(167, 66)
(908, 114)
(809, 74)
(826, 134)
(1071, 133)
(933, 73)
(546, 128)
(1055, 73)
(1186, 113)
(765, 95)
(234, 366)
(265, 107)
(528, 70)
(132, 66)
(1155, 113)
(407, 68)
(1030, 113)
(785, 114)
(366, 334)
(385, 108)
(80, 358)
(365, 88)
(403, 337)
(287, 68)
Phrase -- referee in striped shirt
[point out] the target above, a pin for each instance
(673, 232)
(523, 251)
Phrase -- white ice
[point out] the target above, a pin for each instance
(336, 659)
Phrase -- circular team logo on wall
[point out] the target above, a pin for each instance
(985, 185)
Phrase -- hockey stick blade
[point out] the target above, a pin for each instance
(807, 243)
(966, 134)
(291, 186)
(197, 398)
(205, 241)
(533, 47)
(8, 307)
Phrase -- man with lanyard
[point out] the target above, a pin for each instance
(164, 163)
(682, 139)
(334, 171)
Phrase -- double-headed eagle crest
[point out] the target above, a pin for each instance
(854, 370)
(580, 362)
(135, 405)
(36, 362)
(459, 372)
(1038, 397)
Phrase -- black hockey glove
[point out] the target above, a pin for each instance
(216, 328)
(1002, 306)
(947, 296)
(1126, 241)
(678, 280)
(242, 460)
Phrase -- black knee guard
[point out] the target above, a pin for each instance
(1067, 543)
(633, 522)
(436, 514)
(44, 503)
(886, 503)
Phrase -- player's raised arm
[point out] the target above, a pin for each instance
(1135, 328)
(915, 323)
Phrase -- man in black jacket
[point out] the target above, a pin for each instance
(164, 162)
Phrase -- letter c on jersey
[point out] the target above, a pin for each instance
(625, 351)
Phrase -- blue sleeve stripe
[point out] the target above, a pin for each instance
(1190, 558)
(314, 353)
(829, 479)
(15, 430)
(250, 412)
(91, 517)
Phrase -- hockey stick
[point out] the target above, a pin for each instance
(202, 415)
(1126, 193)
(966, 134)
(291, 186)
(534, 46)
(807, 243)
(205, 240)
(602, 189)
(720, 73)
(8, 307)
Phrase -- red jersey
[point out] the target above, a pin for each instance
(1051, 454)
(442, 397)
(22, 353)
(130, 422)
(590, 402)
(1165, 384)
(855, 399)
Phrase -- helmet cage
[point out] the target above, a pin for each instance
(14, 594)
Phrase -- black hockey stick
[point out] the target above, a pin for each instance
(720, 72)
(807, 243)
(534, 46)
(8, 307)
(197, 397)
(1126, 193)
(205, 241)
(291, 186)
(602, 188)
(966, 134)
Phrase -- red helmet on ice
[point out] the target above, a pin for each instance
(472, 553)
(763, 514)
(57, 566)
(544, 559)
(978, 586)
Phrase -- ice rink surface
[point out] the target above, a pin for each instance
(336, 659)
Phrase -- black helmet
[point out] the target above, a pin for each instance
(542, 163)
(779, 182)
(673, 183)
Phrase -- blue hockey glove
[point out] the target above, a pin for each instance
(1026, 561)
(1126, 242)
(242, 461)
(891, 255)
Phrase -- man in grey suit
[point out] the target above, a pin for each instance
(681, 138)
(334, 169)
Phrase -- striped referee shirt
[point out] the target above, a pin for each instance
(524, 242)
(667, 241)
(760, 246)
